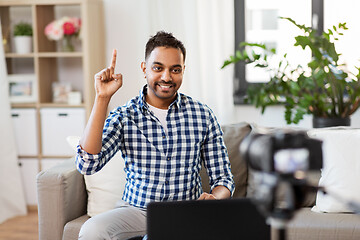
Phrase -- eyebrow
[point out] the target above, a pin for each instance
(173, 66)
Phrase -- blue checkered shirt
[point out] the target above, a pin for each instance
(160, 166)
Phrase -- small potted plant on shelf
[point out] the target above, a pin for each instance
(23, 38)
(65, 28)
(324, 88)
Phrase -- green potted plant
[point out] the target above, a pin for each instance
(323, 88)
(23, 37)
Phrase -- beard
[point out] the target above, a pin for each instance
(163, 90)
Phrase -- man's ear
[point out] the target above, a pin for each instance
(143, 67)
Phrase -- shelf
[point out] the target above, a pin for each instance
(40, 2)
(45, 55)
(58, 157)
(59, 54)
(47, 123)
(49, 65)
(60, 105)
(23, 105)
(27, 156)
(16, 55)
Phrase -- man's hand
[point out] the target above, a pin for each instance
(219, 192)
(206, 196)
(106, 81)
(106, 84)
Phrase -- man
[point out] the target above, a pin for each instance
(163, 136)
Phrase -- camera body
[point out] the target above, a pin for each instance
(280, 162)
(263, 152)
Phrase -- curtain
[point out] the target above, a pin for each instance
(206, 28)
(12, 200)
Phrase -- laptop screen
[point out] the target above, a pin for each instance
(212, 219)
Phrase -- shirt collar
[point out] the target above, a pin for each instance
(144, 106)
(141, 101)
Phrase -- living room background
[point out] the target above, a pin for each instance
(206, 27)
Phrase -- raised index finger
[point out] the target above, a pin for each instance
(113, 61)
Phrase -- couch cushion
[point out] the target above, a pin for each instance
(311, 225)
(72, 228)
(341, 168)
(233, 135)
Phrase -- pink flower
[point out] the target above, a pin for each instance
(77, 23)
(69, 26)
(53, 31)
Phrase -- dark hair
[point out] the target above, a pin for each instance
(163, 39)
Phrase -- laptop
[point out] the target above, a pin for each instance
(211, 219)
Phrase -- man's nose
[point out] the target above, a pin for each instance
(166, 76)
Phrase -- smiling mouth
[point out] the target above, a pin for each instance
(165, 86)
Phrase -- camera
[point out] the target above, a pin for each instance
(279, 164)
(282, 152)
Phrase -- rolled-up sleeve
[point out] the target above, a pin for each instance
(215, 156)
(87, 163)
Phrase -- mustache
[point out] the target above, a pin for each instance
(166, 82)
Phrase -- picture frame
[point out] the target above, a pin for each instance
(61, 92)
(22, 88)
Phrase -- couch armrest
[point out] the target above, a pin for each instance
(62, 197)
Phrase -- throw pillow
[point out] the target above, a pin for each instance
(233, 135)
(105, 187)
(341, 167)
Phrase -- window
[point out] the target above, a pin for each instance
(258, 21)
(334, 13)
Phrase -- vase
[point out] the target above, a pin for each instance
(322, 122)
(23, 44)
(67, 44)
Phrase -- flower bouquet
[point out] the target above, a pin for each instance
(65, 28)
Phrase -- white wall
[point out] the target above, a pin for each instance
(128, 29)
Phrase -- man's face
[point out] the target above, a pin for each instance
(164, 71)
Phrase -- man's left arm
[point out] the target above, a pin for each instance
(216, 161)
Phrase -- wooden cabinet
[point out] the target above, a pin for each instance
(29, 168)
(48, 64)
